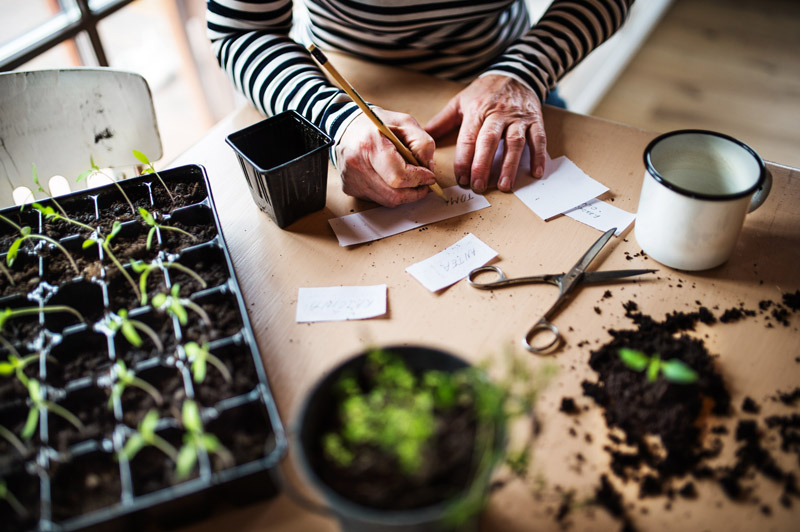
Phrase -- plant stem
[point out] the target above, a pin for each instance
(11, 438)
(118, 264)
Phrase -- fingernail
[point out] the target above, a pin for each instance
(463, 181)
(478, 186)
(505, 183)
(539, 172)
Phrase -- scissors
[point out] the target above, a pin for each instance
(566, 283)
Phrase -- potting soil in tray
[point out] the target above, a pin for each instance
(68, 475)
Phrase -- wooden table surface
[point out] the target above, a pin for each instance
(271, 264)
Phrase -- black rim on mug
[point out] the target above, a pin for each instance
(650, 168)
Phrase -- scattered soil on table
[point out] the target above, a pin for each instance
(666, 444)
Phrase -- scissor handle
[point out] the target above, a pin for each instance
(498, 280)
(540, 328)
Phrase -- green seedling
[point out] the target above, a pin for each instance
(176, 306)
(105, 243)
(152, 170)
(130, 330)
(6, 495)
(27, 233)
(12, 439)
(38, 402)
(126, 378)
(144, 271)
(196, 440)
(150, 220)
(10, 313)
(146, 435)
(49, 212)
(673, 370)
(94, 169)
(15, 365)
(200, 357)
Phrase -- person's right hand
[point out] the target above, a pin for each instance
(371, 167)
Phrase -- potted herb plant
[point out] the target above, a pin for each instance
(406, 439)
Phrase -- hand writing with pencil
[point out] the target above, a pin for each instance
(372, 168)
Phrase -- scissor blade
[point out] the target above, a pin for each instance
(602, 277)
(589, 256)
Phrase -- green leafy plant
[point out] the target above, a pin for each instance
(130, 328)
(105, 243)
(144, 271)
(6, 495)
(195, 441)
(398, 414)
(126, 378)
(152, 170)
(673, 370)
(27, 233)
(10, 313)
(150, 220)
(39, 402)
(49, 212)
(94, 169)
(176, 306)
(144, 436)
(199, 357)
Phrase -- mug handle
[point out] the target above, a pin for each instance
(761, 194)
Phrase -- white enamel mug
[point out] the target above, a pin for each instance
(698, 187)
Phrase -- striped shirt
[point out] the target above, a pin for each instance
(453, 39)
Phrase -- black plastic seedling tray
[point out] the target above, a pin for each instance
(69, 477)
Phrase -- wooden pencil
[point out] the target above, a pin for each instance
(317, 54)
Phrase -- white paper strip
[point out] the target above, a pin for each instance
(382, 222)
(453, 264)
(602, 216)
(563, 187)
(339, 303)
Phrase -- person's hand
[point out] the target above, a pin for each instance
(493, 108)
(372, 168)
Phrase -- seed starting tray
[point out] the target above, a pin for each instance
(70, 478)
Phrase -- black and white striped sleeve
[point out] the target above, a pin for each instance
(565, 34)
(252, 44)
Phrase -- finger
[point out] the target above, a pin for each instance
(537, 139)
(465, 149)
(485, 149)
(514, 145)
(418, 141)
(395, 171)
(446, 120)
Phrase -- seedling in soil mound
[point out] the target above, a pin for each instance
(130, 330)
(150, 220)
(96, 170)
(145, 435)
(9, 313)
(200, 357)
(106, 245)
(673, 370)
(49, 212)
(144, 271)
(196, 440)
(26, 233)
(176, 306)
(151, 170)
(37, 402)
(125, 378)
(6, 495)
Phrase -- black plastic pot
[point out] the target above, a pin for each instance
(80, 481)
(285, 162)
(320, 405)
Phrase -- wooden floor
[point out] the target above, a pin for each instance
(728, 65)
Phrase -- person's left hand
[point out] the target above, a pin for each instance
(492, 108)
